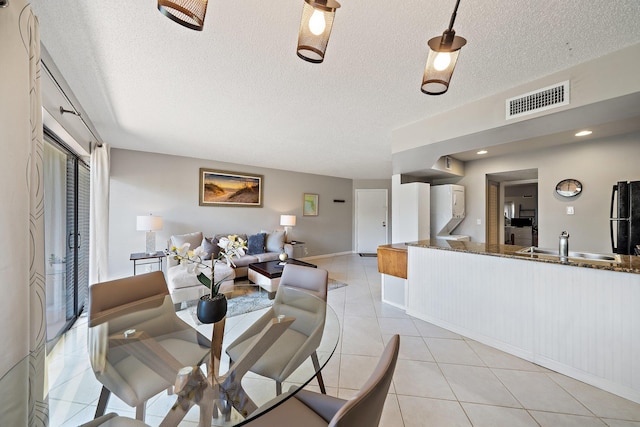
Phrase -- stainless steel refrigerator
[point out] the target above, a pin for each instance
(625, 225)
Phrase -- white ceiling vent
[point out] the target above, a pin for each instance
(538, 100)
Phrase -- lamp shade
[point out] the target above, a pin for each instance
(148, 223)
(315, 29)
(288, 220)
(443, 55)
(188, 13)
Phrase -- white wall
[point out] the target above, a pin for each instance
(597, 164)
(143, 183)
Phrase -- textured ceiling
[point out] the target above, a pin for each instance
(237, 92)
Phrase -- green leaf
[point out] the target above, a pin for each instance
(202, 278)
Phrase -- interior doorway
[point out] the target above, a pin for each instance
(512, 213)
(372, 213)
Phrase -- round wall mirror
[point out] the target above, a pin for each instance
(569, 187)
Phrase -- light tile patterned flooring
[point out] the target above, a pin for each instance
(441, 378)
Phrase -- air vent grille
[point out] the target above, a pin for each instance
(538, 100)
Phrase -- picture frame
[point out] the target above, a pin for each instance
(310, 204)
(224, 188)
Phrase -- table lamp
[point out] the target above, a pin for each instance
(287, 221)
(150, 224)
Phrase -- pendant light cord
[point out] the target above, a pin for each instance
(453, 16)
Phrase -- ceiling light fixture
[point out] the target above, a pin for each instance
(188, 13)
(482, 152)
(315, 29)
(584, 133)
(443, 54)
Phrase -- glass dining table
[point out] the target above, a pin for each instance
(165, 350)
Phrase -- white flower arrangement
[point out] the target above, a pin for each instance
(193, 260)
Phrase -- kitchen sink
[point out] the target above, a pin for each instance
(551, 253)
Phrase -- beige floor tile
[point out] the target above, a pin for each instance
(61, 410)
(453, 351)
(361, 336)
(421, 412)
(536, 391)
(355, 370)
(549, 419)
(620, 423)
(476, 384)
(411, 348)
(497, 416)
(423, 379)
(83, 388)
(391, 415)
(386, 310)
(432, 331)
(398, 326)
(600, 402)
(360, 309)
(495, 358)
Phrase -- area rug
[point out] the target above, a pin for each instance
(247, 298)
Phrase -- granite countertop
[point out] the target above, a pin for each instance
(628, 264)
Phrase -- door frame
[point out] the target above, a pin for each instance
(356, 215)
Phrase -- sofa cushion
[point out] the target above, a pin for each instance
(210, 246)
(179, 277)
(267, 256)
(245, 260)
(194, 239)
(255, 244)
(275, 241)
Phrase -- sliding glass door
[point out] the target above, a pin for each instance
(66, 212)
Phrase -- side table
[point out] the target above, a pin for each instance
(143, 258)
(299, 249)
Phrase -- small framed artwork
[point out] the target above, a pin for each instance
(310, 205)
(222, 188)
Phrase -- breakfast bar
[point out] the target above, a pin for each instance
(579, 317)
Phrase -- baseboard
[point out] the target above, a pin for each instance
(307, 258)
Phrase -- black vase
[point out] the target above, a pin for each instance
(212, 309)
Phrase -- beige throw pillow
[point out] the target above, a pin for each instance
(275, 241)
(194, 239)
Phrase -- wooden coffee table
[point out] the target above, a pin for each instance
(267, 274)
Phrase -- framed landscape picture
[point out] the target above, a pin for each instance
(222, 188)
(310, 205)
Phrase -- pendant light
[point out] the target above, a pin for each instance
(443, 54)
(315, 29)
(188, 13)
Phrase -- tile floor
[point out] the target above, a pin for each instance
(441, 378)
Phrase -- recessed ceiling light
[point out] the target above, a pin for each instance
(482, 152)
(584, 133)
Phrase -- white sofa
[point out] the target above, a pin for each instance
(184, 286)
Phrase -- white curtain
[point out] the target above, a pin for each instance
(22, 285)
(99, 215)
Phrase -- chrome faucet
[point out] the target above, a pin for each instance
(563, 247)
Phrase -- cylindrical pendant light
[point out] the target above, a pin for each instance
(189, 13)
(443, 54)
(315, 29)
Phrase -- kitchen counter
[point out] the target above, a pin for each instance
(628, 264)
(579, 318)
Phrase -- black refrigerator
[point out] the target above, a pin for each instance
(624, 220)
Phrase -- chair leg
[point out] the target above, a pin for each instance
(278, 388)
(316, 366)
(102, 401)
(140, 411)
